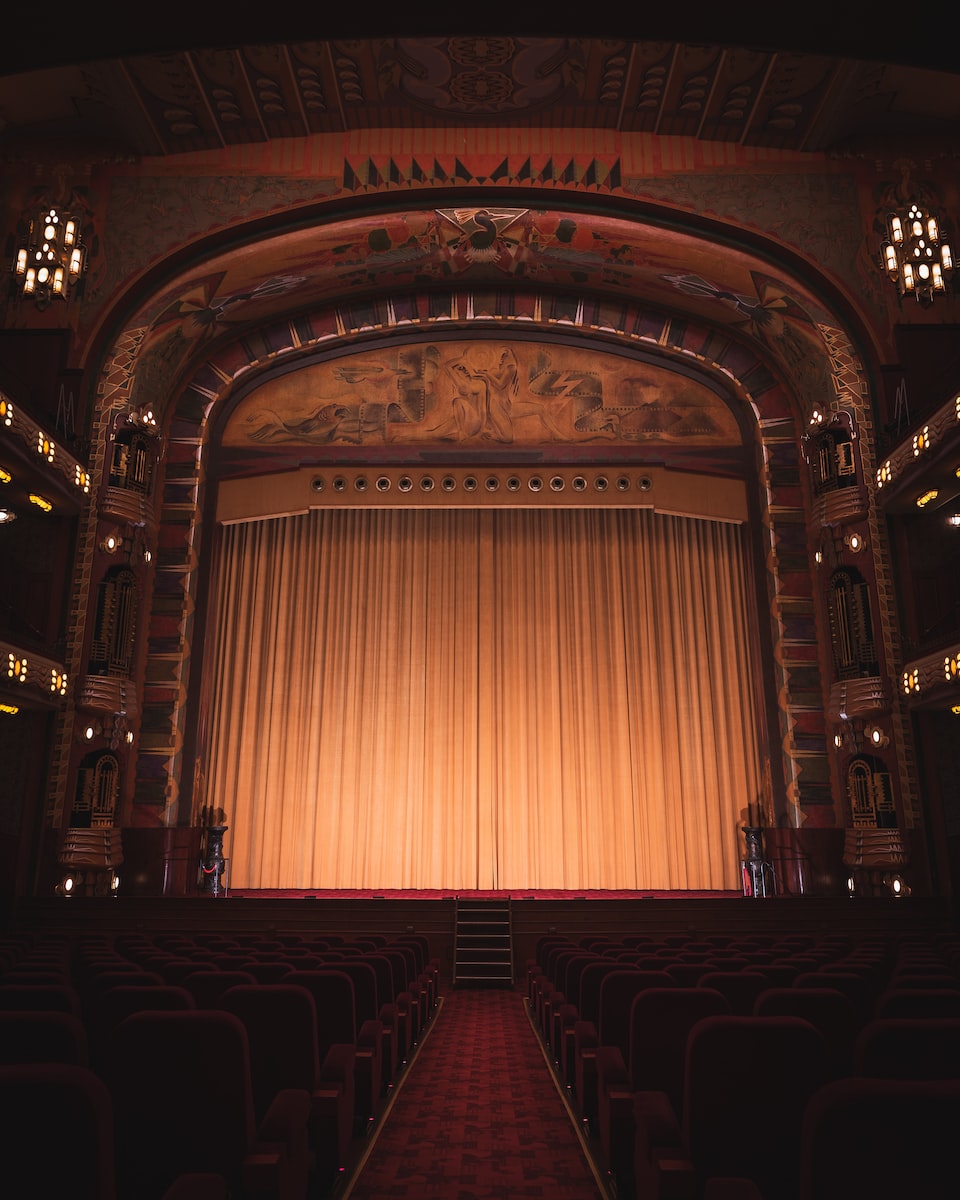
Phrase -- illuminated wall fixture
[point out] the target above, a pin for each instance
(954, 520)
(884, 474)
(927, 498)
(46, 447)
(817, 417)
(50, 259)
(111, 542)
(875, 736)
(855, 542)
(5, 476)
(921, 441)
(914, 255)
(144, 417)
(17, 668)
(41, 502)
(6, 516)
(911, 682)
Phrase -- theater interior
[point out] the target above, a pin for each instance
(485, 489)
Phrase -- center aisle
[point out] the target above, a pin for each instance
(478, 1115)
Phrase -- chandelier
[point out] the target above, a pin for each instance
(51, 259)
(914, 255)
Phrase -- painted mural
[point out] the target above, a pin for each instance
(481, 392)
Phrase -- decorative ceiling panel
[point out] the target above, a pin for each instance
(182, 101)
(173, 102)
(791, 100)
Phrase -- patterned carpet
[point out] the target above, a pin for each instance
(478, 1115)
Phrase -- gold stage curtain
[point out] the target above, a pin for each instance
(485, 698)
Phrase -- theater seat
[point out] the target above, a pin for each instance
(617, 992)
(652, 1077)
(183, 1103)
(746, 1085)
(909, 1048)
(337, 1023)
(58, 1138)
(281, 1024)
(879, 1138)
(43, 1037)
(57, 1132)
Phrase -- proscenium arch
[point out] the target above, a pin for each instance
(745, 353)
(770, 400)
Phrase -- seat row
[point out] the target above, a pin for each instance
(658, 1061)
(285, 1074)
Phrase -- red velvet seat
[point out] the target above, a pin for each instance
(746, 1085)
(43, 1037)
(741, 988)
(183, 1103)
(830, 1011)
(617, 992)
(207, 987)
(918, 1002)
(58, 1137)
(652, 1076)
(338, 1024)
(909, 1048)
(281, 1024)
(880, 1137)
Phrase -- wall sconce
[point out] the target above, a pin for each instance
(875, 736)
(50, 259)
(855, 542)
(111, 542)
(90, 731)
(914, 255)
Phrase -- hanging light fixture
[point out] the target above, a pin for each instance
(915, 255)
(50, 260)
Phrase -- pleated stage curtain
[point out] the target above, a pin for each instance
(509, 698)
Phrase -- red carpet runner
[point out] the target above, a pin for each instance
(478, 1115)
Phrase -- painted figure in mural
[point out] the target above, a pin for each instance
(485, 379)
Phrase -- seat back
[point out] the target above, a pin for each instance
(741, 988)
(281, 1024)
(57, 1132)
(830, 1011)
(617, 992)
(918, 1002)
(207, 987)
(909, 1048)
(591, 979)
(43, 1037)
(332, 992)
(880, 1137)
(746, 1084)
(182, 1097)
(660, 1024)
